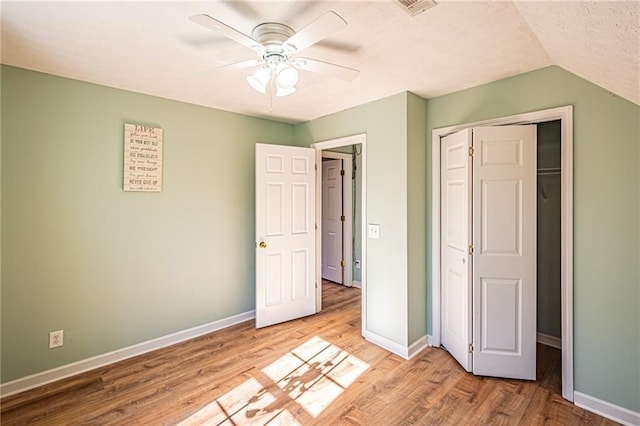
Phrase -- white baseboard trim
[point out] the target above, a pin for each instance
(431, 341)
(606, 409)
(393, 347)
(45, 377)
(416, 347)
(553, 341)
(357, 284)
(390, 345)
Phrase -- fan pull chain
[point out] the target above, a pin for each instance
(272, 88)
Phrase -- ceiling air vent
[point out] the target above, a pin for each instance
(415, 7)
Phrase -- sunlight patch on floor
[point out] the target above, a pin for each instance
(312, 376)
(318, 372)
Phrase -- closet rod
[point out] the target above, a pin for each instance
(550, 171)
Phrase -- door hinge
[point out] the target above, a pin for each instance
(470, 348)
(343, 218)
(471, 151)
(316, 285)
(470, 248)
(316, 166)
(342, 173)
(316, 226)
(343, 263)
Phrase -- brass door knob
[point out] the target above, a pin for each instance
(262, 244)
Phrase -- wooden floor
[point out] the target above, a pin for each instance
(317, 370)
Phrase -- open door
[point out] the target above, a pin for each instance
(285, 233)
(488, 250)
(332, 221)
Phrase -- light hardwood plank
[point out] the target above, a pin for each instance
(315, 370)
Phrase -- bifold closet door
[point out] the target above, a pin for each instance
(488, 250)
(455, 231)
(504, 259)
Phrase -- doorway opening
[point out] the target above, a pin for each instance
(564, 116)
(355, 268)
(549, 215)
(339, 215)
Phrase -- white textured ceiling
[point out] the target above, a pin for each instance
(153, 48)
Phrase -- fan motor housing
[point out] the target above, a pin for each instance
(272, 35)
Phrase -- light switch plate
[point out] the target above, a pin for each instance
(374, 231)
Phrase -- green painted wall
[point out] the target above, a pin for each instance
(417, 216)
(112, 268)
(385, 123)
(606, 215)
(80, 254)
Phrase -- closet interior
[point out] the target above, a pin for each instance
(549, 233)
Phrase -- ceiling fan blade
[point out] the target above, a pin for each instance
(315, 65)
(221, 28)
(240, 65)
(325, 25)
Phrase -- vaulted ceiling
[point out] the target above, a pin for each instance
(154, 48)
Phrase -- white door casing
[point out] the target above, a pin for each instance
(456, 234)
(504, 259)
(361, 140)
(285, 233)
(332, 224)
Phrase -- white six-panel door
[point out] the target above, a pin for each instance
(504, 235)
(489, 297)
(285, 233)
(455, 239)
(332, 223)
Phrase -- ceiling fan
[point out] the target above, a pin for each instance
(277, 46)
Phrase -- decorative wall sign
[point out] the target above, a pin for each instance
(142, 158)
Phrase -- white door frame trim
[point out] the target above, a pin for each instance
(347, 211)
(565, 115)
(335, 143)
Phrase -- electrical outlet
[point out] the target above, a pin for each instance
(56, 339)
(357, 264)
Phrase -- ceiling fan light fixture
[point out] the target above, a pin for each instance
(286, 76)
(281, 92)
(259, 80)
